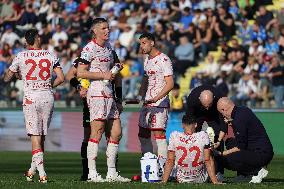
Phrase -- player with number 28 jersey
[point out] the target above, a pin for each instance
(36, 67)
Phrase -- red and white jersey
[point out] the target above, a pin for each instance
(36, 67)
(157, 69)
(101, 59)
(189, 155)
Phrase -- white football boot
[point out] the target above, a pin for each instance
(116, 178)
(261, 175)
(95, 178)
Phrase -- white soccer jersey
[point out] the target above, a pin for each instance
(36, 67)
(101, 59)
(189, 155)
(157, 69)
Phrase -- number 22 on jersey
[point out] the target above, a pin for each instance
(195, 162)
(44, 69)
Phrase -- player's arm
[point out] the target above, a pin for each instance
(8, 75)
(59, 77)
(82, 71)
(210, 166)
(230, 151)
(165, 91)
(143, 87)
(169, 166)
(13, 69)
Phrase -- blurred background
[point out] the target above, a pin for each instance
(236, 45)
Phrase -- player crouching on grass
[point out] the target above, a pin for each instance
(36, 66)
(192, 152)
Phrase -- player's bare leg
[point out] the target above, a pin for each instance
(37, 159)
(145, 140)
(160, 138)
(97, 129)
(112, 151)
(84, 145)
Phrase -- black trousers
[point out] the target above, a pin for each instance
(247, 162)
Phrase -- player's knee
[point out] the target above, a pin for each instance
(144, 133)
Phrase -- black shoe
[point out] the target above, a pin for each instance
(242, 179)
(84, 178)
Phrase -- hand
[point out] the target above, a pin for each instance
(217, 144)
(18, 75)
(108, 76)
(83, 92)
(216, 152)
(152, 100)
(119, 107)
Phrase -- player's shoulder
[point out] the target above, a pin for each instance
(175, 134)
(164, 58)
(89, 46)
(202, 135)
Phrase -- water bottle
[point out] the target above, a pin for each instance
(115, 70)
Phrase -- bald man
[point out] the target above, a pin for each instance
(252, 150)
(202, 104)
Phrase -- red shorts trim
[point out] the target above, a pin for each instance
(156, 129)
(36, 151)
(160, 137)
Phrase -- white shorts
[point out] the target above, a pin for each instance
(153, 118)
(38, 109)
(102, 108)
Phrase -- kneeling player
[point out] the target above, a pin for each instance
(192, 152)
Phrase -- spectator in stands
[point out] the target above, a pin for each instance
(271, 46)
(275, 73)
(204, 38)
(281, 41)
(9, 36)
(264, 17)
(186, 18)
(184, 54)
(59, 35)
(225, 26)
(255, 48)
(121, 51)
(258, 33)
(177, 101)
(244, 33)
(133, 79)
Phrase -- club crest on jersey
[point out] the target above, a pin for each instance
(85, 55)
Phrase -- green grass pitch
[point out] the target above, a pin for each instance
(64, 171)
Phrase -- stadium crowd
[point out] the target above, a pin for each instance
(250, 38)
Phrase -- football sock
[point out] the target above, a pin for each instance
(38, 160)
(162, 146)
(111, 153)
(84, 158)
(92, 153)
(146, 145)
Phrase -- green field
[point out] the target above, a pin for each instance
(64, 171)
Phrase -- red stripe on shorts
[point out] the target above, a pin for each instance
(36, 151)
(160, 137)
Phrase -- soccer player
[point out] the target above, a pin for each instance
(35, 66)
(157, 83)
(191, 150)
(71, 76)
(95, 63)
